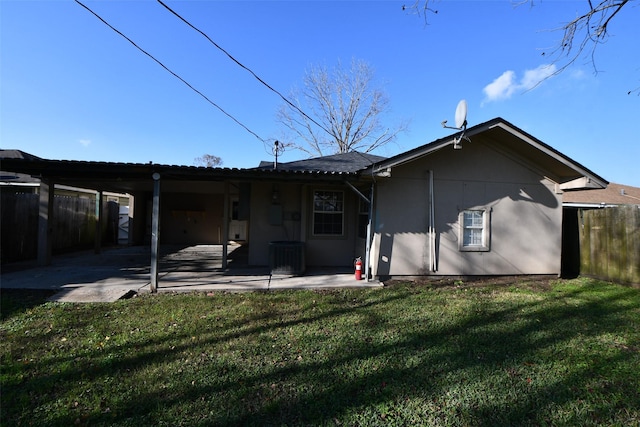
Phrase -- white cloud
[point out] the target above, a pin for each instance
(507, 84)
(501, 88)
(533, 78)
(85, 142)
(578, 74)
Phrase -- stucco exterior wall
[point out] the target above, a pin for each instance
(335, 251)
(273, 218)
(525, 215)
(294, 207)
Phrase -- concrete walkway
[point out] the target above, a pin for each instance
(122, 272)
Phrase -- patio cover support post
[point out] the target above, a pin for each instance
(225, 225)
(369, 230)
(367, 250)
(97, 240)
(155, 232)
(45, 222)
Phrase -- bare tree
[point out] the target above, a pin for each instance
(347, 109)
(581, 36)
(208, 160)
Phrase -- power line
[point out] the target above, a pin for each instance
(171, 72)
(243, 66)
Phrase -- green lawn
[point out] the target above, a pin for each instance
(566, 353)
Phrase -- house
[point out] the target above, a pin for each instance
(493, 207)
(613, 195)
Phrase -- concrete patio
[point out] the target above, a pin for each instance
(120, 272)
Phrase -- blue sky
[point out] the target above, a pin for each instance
(71, 88)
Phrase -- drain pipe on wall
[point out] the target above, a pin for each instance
(432, 227)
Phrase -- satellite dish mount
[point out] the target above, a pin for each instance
(461, 124)
(278, 149)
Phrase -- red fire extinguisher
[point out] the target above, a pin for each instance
(358, 268)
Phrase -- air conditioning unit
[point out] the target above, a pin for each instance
(286, 257)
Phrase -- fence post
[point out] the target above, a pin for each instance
(155, 232)
(97, 246)
(45, 222)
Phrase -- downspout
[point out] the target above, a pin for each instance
(432, 226)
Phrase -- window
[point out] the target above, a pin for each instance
(474, 230)
(328, 212)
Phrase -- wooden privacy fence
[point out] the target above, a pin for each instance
(74, 228)
(610, 243)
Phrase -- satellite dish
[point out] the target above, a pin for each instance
(461, 114)
(461, 124)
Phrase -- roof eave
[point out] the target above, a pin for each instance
(587, 179)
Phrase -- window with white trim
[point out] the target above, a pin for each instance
(328, 213)
(474, 230)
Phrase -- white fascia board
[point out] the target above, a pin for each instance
(581, 183)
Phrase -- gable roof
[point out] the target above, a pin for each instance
(558, 167)
(337, 163)
(614, 194)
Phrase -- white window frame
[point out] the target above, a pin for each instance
(325, 212)
(484, 243)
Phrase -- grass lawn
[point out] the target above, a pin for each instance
(566, 352)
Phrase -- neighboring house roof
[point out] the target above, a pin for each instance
(337, 163)
(614, 194)
(510, 139)
(17, 154)
(12, 178)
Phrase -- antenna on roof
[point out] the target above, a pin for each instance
(461, 124)
(277, 150)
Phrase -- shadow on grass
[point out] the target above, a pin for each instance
(13, 301)
(370, 357)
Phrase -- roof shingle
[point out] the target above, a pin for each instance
(336, 163)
